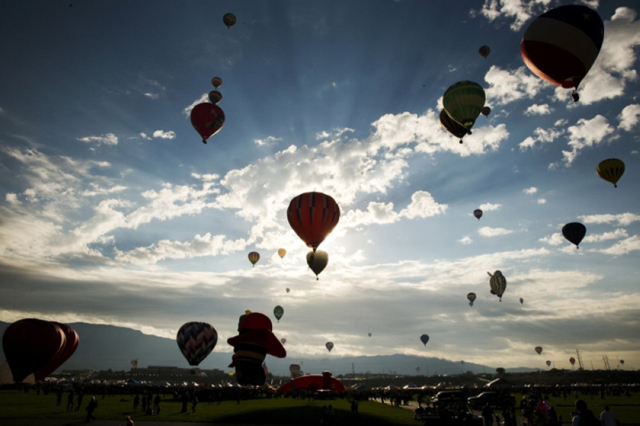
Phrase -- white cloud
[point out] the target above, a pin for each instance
(164, 135)
(615, 235)
(553, 240)
(586, 133)
(187, 110)
(623, 219)
(519, 11)
(423, 205)
(152, 95)
(144, 136)
(506, 86)
(465, 240)
(629, 117)
(487, 207)
(108, 139)
(542, 201)
(623, 247)
(542, 136)
(12, 198)
(530, 191)
(487, 231)
(536, 109)
(269, 140)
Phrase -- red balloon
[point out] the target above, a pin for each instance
(207, 119)
(30, 344)
(312, 216)
(68, 348)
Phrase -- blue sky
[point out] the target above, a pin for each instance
(112, 211)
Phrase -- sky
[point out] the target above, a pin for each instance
(112, 210)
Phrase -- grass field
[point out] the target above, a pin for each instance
(283, 411)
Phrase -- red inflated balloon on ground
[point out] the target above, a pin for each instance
(68, 348)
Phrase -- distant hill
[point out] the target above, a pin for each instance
(104, 347)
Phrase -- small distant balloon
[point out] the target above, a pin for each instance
(574, 232)
(548, 363)
(417, 368)
(317, 261)
(216, 82)
(254, 256)
(215, 96)
(471, 297)
(485, 111)
(329, 346)
(288, 290)
(484, 51)
(278, 312)
(538, 349)
(424, 339)
(477, 213)
(229, 19)
(521, 300)
(622, 362)
(369, 334)
(281, 253)
(611, 170)
(497, 283)
(283, 340)
(572, 360)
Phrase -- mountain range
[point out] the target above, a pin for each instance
(104, 347)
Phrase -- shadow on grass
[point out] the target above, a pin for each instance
(303, 416)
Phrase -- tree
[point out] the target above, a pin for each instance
(500, 370)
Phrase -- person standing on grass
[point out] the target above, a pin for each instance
(70, 401)
(608, 418)
(584, 417)
(91, 407)
(129, 421)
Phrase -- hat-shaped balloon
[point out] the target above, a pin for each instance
(312, 216)
(254, 341)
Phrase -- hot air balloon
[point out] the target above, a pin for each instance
(215, 96)
(294, 369)
(68, 348)
(471, 297)
(453, 127)
(484, 51)
(281, 253)
(283, 340)
(622, 362)
(30, 344)
(134, 363)
(477, 213)
(317, 261)
(278, 312)
(229, 20)
(207, 119)
(497, 283)
(288, 290)
(521, 300)
(611, 170)
(463, 101)
(369, 334)
(329, 346)
(538, 349)
(196, 340)
(572, 360)
(485, 111)
(574, 232)
(548, 363)
(312, 216)
(417, 368)
(561, 45)
(424, 339)
(254, 256)
(216, 82)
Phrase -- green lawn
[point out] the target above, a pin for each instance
(283, 411)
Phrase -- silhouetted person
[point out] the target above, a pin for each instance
(70, 401)
(608, 418)
(91, 407)
(80, 396)
(584, 417)
(487, 415)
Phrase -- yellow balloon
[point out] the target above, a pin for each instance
(282, 252)
(611, 170)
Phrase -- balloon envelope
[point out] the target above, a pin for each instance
(278, 312)
(471, 297)
(229, 19)
(369, 334)
(477, 213)
(548, 363)
(497, 283)
(207, 119)
(196, 340)
(215, 96)
(463, 101)
(538, 349)
(317, 261)
(452, 126)
(283, 340)
(572, 360)
(484, 51)
(424, 339)
(574, 232)
(288, 290)
(486, 111)
(30, 344)
(294, 369)
(329, 346)
(68, 348)
(611, 170)
(312, 216)
(216, 82)
(281, 253)
(254, 256)
(521, 300)
(561, 45)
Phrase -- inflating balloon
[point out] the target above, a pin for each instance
(68, 348)
(484, 51)
(312, 216)
(471, 297)
(229, 20)
(278, 312)
(574, 232)
(453, 127)
(30, 344)
(611, 170)
(207, 119)
(463, 101)
(196, 340)
(329, 346)
(561, 45)
(317, 261)
(281, 253)
(497, 283)
(254, 256)
(424, 339)
(477, 213)
(254, 341)
(538, 349)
